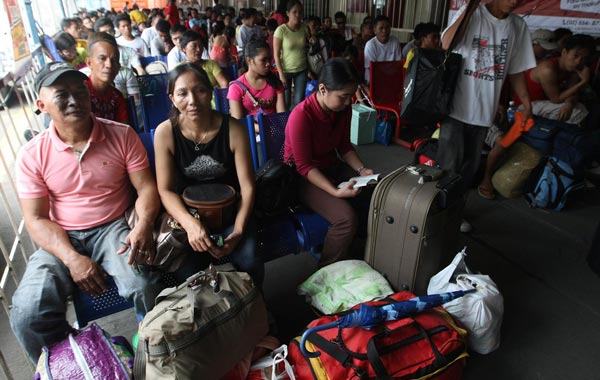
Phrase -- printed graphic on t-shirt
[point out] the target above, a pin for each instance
(205, 167)
(264, 104)
(489, 59)
(106, 107)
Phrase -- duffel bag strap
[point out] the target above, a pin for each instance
(330, 348)
(139, 362)
(375, 359)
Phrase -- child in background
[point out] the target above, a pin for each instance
(67, 49)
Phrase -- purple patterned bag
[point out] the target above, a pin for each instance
(91, 354)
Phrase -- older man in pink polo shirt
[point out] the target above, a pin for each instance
(74, 182)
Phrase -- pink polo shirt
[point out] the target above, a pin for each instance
(84, 192)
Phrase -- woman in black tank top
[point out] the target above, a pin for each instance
(198, 145)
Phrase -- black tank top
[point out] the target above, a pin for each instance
(212, 162)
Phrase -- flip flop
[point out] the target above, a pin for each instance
(485, 193)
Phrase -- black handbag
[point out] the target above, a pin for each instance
(431, 79)
(276, 188)
(429, 86)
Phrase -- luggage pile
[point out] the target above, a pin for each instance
(566, 148)
(375, 320)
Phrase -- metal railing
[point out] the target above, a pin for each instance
(17, 114)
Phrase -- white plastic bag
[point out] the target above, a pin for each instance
(480, 312)
(273, 366)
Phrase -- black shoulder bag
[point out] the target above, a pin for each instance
(431, 79)
(276, 188)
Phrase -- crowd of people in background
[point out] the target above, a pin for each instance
(222, 34)
(277, 55)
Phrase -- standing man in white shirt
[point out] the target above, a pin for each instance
(495, 44)
(127, 39)
(383, 47)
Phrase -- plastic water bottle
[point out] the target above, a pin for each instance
(510, 113)
(311, 87)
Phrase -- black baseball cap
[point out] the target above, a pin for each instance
(52, 71)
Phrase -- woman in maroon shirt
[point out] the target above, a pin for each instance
(317, 133)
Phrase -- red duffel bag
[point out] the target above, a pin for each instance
(427, 345)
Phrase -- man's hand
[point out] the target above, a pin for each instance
(565, 111)
(526, 116)
(87, 274)
(141, 244)
(585, 74)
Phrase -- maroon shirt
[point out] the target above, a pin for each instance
(111, 105)
(313, 137)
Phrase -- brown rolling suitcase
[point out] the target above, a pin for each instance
(414, 222)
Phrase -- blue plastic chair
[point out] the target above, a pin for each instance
(88, 308)
(144, 61)
(272, 134)
(231, 72)
(253, 144)
(154, 99)
(313, 226)
(132, 111)
(221, 101)
(148, 142)
(277, 236)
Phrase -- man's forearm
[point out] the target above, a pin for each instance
(519, 84)
(52, 238)
(450, 33)
(147, 205)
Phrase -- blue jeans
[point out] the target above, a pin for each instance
(243, 258)
(299, 81)
(38, 309)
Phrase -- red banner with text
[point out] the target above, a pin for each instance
(580, 16)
